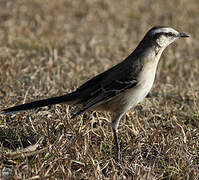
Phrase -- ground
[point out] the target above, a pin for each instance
(49, 48)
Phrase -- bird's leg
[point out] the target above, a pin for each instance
(115, 124)
(117, 144)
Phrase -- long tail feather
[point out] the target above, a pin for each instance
(68, 98)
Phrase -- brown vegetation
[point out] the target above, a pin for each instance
(48, 48)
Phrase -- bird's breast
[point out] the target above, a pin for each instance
(145, 83)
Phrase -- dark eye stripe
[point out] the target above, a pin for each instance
(170, 34)
(167, 34)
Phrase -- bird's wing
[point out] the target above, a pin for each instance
(109, 84)
(105, 93)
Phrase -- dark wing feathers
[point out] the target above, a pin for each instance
(109, 84)
(104, 94)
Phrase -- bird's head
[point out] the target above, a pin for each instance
(163, 36)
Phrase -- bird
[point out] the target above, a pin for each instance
(119, 88)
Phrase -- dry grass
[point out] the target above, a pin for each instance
(48, 48)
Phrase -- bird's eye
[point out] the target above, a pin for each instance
(170, 34)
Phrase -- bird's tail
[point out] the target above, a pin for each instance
(68, 99)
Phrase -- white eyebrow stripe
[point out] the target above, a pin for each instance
(164, 30)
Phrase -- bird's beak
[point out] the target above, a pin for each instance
(182, 35)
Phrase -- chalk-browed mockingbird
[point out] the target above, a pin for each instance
(121, 87)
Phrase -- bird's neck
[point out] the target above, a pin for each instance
(148, 50)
